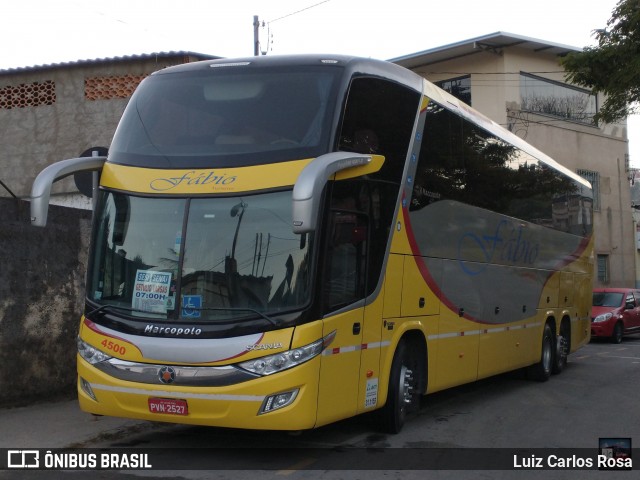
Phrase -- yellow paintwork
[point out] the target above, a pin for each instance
(201, 182)
(217, 180)
(400, 242)
(233, 406)
(370, 357)
(338, 381)
(393, 286)
(335, 385)
(376, 164)
(417, 298)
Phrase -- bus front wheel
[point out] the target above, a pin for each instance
(403, 395)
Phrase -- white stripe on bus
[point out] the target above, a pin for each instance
(354, 348)
(441, 336)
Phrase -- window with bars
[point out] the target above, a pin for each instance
(594, 179)
(603, 268)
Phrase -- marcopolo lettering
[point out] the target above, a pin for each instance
(192, 178)
(176, 331)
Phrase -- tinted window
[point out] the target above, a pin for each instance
(462, 162)
(227, 117)
(378, 118)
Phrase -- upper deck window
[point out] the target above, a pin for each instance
(227, 117)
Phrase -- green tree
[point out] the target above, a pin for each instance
(613, 66)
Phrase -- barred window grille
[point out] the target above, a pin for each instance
(603, 268)
(594, 179)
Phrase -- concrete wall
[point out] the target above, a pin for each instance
(86, 102)
(42, 271)
(41, 297)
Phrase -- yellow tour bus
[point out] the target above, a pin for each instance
(285, 242)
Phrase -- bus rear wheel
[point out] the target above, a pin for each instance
(563, 345)
(403, 395)
(541, 371)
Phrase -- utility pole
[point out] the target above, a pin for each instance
(256, 40)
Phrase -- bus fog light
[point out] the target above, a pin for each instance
(86, 388)
(279, 400)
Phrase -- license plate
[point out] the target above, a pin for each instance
(168, 406)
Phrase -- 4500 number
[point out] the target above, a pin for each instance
(114, 347)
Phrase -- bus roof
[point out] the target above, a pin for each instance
(351, 64)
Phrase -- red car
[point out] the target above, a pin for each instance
(615, 312)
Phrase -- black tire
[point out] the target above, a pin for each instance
(541, 371)
(403, 395)
(616, 336)
(563, 345)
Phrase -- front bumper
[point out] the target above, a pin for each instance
(234, 406)
(603, 329)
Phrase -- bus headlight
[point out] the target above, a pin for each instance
(283, 360)
(91, 354)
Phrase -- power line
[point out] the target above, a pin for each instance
(257, 24)
(298, 11)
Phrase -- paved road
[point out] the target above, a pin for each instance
(596, 396)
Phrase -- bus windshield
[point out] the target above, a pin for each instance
(233, 257)
(222, 117)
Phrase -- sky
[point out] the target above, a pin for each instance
(40, 32)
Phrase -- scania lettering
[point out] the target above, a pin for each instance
(285, 242)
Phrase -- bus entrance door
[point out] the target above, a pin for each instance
(343, 293)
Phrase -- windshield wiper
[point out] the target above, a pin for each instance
(103, 308)
(232, 309)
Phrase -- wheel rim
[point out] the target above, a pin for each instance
(563, 350)
(546, 354)
(405, 389)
